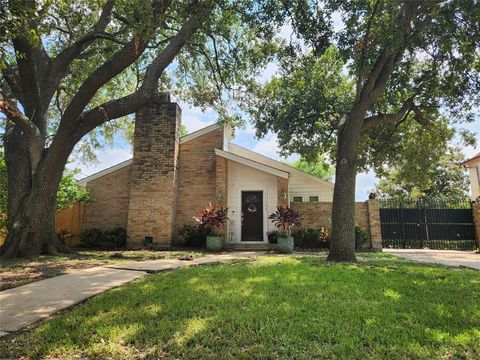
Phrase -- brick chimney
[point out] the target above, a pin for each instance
(153, 185)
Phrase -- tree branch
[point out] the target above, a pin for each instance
(119, 61)
(131, 103)
(362, 47)
(10, 74)
(107, 71)
(397, 117)
(385, 63)
(58, 66)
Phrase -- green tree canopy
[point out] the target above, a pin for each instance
(444, 179)
(319, 167)
(69, 192)
(395, 76)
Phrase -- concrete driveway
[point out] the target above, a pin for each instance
(446, 257)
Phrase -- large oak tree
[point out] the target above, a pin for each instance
(73, 69)
(394, 70)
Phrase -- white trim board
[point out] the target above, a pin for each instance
(85, 180)
(253, 164)
(200, 132)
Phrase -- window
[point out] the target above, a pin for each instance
(297, 199)
(313, 199)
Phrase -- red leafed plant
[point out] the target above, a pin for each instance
(211, 218)
(285, 218)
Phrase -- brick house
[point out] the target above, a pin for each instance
(170, 178)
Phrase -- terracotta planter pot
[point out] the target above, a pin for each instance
(214, 243)
(285, 244)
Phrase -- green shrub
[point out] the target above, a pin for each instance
(310, 238)
(361, 237)
(192, 236)
(298, 235)
(110, 238)
(116, 237)
(91, 237)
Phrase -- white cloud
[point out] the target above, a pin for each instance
(248, 129)
(286, 31)
(269, 147)
(194, 118)
(364, 185)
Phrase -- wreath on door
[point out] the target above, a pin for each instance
(251, 201)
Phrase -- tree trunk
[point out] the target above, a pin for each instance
(31, 201)
(31, 231)
(342, 244)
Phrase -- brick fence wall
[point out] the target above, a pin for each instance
(367, 216)
(476, 218)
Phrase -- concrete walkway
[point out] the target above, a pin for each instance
(445, 257)
(26, 304)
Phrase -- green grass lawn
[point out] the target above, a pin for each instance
(274, 307)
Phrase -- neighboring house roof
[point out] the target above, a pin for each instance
(230, 151)
(251, 163)
(472, 161)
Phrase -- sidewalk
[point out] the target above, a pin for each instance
(26, 304)
(467, 259)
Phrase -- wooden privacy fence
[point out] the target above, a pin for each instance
(71, 219)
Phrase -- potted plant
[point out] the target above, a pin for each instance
(285, 218)
(272, 236)
(211, 219)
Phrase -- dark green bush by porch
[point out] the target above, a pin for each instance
(192, 236)
(310, 238)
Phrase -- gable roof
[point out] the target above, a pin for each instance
(85, 180)
(251, 163)
(200, 132)
(118, 166)
(240, 150)
(230, 151)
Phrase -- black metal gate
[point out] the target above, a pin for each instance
(431, 225)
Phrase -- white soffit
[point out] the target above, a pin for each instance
(253, 164)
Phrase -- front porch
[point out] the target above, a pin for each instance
(253, 191)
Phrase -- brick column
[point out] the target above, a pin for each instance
(373, 207)
(476, 218)
(153, 185)
(282, 190)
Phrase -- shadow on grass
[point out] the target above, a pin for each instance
(278, 307)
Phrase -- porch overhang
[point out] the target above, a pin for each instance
(253, 164)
